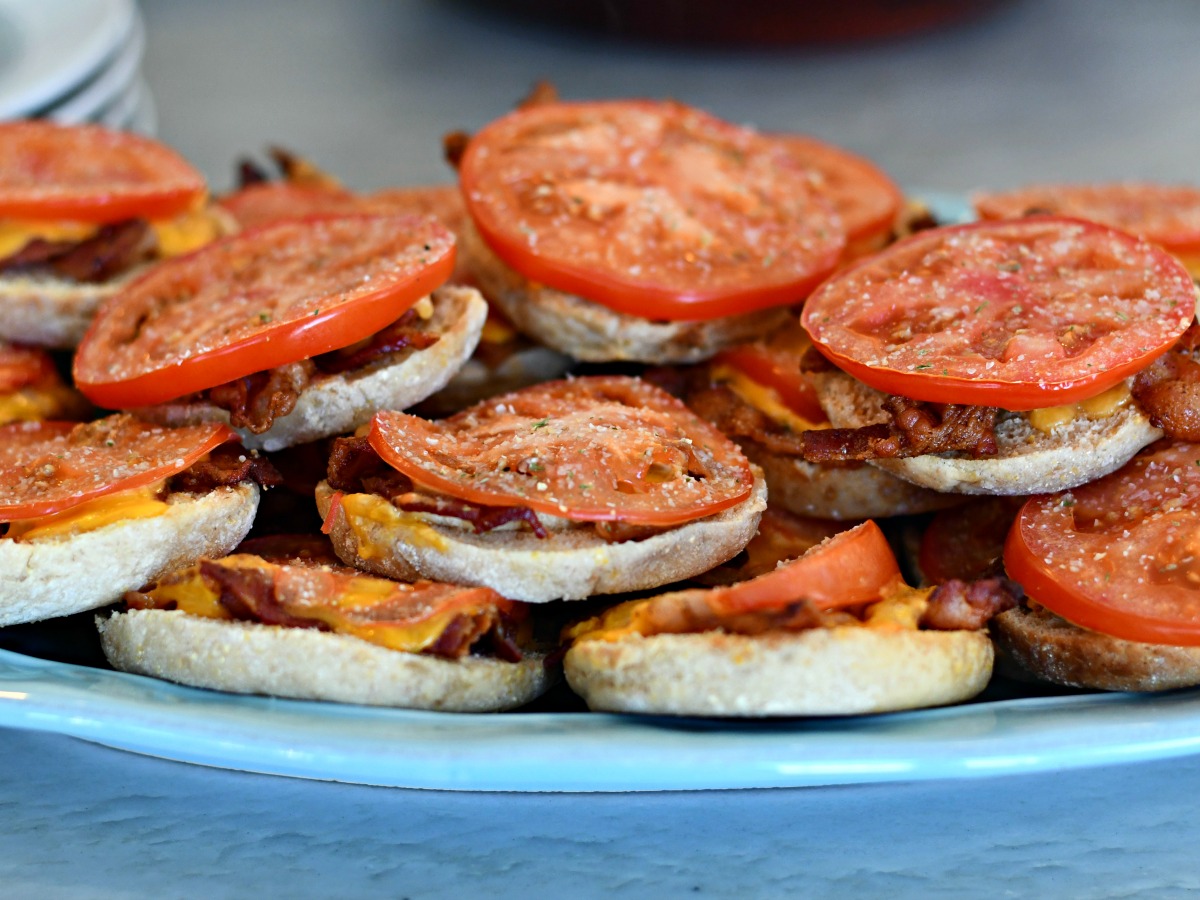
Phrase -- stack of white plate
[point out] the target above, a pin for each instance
(74, 61)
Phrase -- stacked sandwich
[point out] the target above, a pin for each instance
(309, 334)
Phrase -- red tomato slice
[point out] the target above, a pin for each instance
(1018, 314)
(780, 372)
(588, 449)
(965, 541)
(271, 201)
(1120, 555)
(867, 200)
(852, 567)
(1168, 215)
(24, 366)
(653, 209)
(90, 174)
(257, 300)
(46, 467)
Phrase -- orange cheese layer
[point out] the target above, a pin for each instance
(343, 609)
(176, 236)
(1099, 407)
(139, 503)
(901, 609)
(34, 403)
(765, 399)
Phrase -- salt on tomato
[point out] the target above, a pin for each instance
(652, 209)
(260, 299)
(46, 467)
(1120, 555)
(778, 371)
(588, 449)
(862, 194)
(1017, 314)
(853, 567)
(91, 174)
(1168, 215)
(24, 366)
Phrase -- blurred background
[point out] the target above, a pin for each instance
(945, 95)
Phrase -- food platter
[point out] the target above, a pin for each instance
(558, 747)
(577, 751)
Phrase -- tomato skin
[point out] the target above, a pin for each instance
(852, 567)
(1117, 555)
(597, 449)
(622, 249)
(214, 296)
(1168, 215)
(87, 173)
(865, 197)
(965, 541)
(22, 366)
(1010, 314)
(47, 467)
(780, 373)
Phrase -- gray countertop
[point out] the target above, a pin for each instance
(1056, 90)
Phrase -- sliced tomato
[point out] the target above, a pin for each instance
(1017, 314)
(91, 174)
(260, 299)
(1120, 555)
(46, 467)
(588, 449)
(965, 541)
(271, 201)
(852, 567)
(778, 371)
(653, 209)
(865, 197)
(24, 366)
(781, 536)
(1168, 215)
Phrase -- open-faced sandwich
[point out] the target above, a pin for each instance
(83, 210)
(833, 632)
(281, 616)
(997, 357)
(290, 332)
(93, 510)
(642, 230)
(560, 491)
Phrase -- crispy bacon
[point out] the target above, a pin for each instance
(741, 421)
(454, 145)
(113, 250)
(1168, 391)
(255, 401)
(406, 332)
(228, 465)
(916, 428)
(249, 595)
(968, 605)
(481, 518)
(355, 467)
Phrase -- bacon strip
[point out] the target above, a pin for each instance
(1168, 391)
(407, 332)
(249, 595)
(968, 605)
(228, 465)
(916, 428)
(113, 250)
(257, 400)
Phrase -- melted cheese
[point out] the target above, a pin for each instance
(497, 332)
(901, 609)
(139, 503)
(764, 399)
(188, 592)
(34, 403)
(183, 234)
(363, 511)
(1099, 407)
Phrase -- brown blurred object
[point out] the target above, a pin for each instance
(750, 22)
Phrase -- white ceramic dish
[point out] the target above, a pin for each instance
(50, 47)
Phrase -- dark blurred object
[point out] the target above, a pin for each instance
(748, 22)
